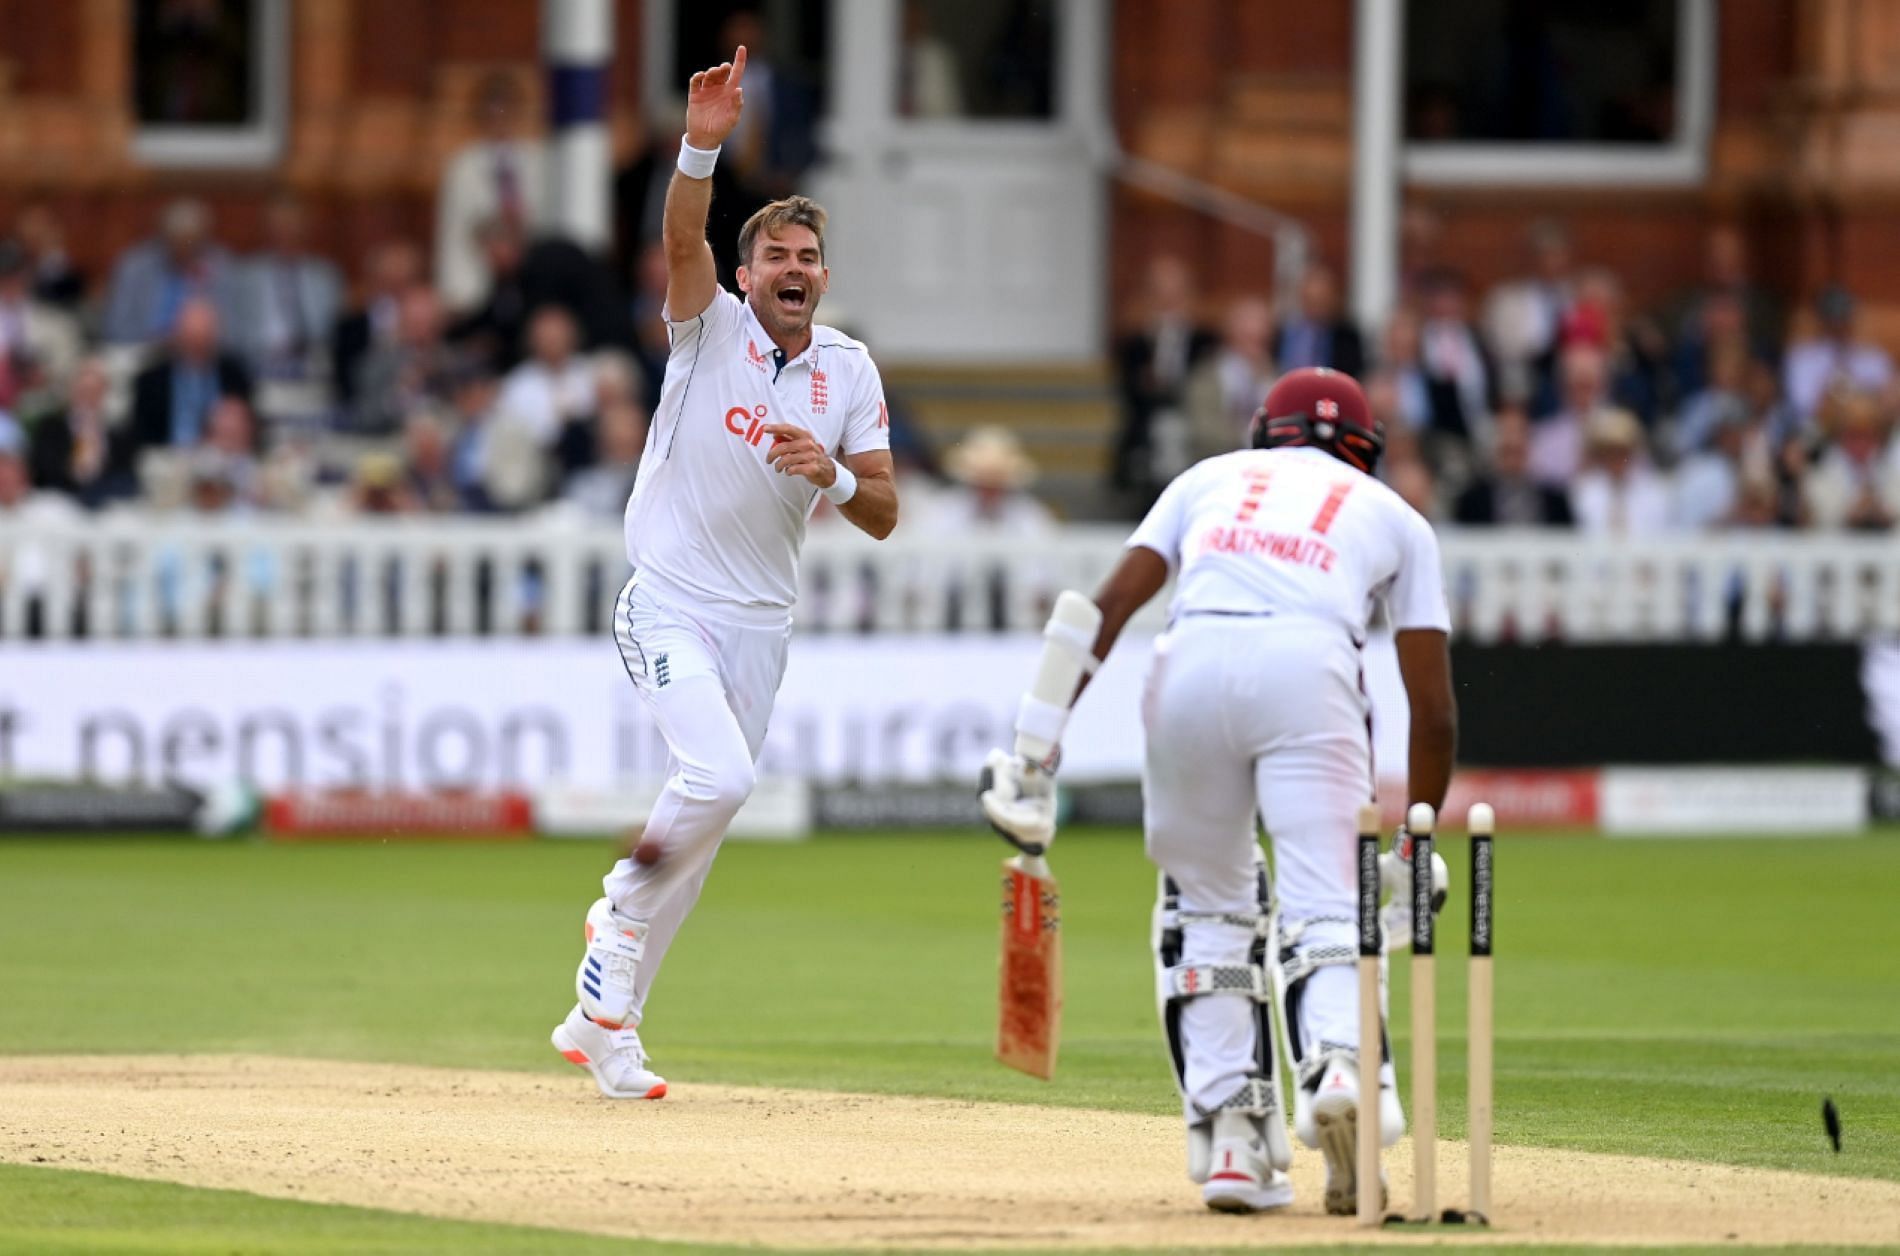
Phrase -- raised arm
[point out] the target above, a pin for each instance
(714, 100)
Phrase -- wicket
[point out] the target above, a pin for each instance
(1373, 1045)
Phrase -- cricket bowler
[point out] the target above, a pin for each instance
(1255, 704)
(761, 411)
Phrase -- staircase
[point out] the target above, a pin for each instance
(1066, 417)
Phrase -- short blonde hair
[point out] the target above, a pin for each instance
(793, 211)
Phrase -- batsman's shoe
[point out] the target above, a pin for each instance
(604, 984)
(1240, 1176)
(614, 1056)
(1327, 1116)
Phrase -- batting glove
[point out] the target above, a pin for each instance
(1019, 800)
(1395, 874)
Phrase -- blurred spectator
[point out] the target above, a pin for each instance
(73, 448)
(1618, 493)
(172, 399)
(1507, 495)
(514, 466)
(928, 85)
(390, 269)
(1835, 357)
(1721, 328)
(428, 465)
(1726, 277)
(601, 490)
(1458, 375)
(640, 200)
(1401, 376)
(1855, 483)
(39, 343)
(1557, 440)
(617, 382)
(24, 565)
(1227, 387)
(289, 298)
(528, 276)
(1317, 333)
(155, 279)
(377, 486)
(554, 389)
(1723, 398)
(407, 373)
(501, 175)
(472, 394)
(1710, 481)
(56, 280)
(652, 343)
(1524, 318)
(231, 432)
(1634, 348)
(1153, 362)
(776, 136)
(1413, 481)
(992, 473)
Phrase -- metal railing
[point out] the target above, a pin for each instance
(129, 577)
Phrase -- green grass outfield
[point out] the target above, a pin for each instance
(1688, 999)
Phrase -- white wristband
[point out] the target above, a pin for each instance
(844, 488)
(697, 163)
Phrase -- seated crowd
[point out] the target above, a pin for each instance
(190, 378)
(1551, 403)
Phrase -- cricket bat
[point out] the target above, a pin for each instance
(1029, 1003)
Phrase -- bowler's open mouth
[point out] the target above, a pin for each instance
(792, 296)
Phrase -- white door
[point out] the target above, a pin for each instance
(968, 207)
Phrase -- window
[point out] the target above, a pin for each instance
(976, 59)
(208, 81)
(1556, 91)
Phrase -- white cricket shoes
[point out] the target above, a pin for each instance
(1327, 1117)
(614, 1056)
(604, 983)
(1240, 1177)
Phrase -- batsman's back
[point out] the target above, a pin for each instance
(1297, 532)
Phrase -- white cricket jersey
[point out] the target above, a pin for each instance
(1295, 532)
(709, 519)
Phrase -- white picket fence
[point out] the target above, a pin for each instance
(129, 577)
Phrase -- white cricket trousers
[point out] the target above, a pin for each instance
(710, 683)
(1266, 714)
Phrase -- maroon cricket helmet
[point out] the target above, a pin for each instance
(1324, 408)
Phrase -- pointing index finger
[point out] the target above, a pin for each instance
(785, 431)
(738, 65)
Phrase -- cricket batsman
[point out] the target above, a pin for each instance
(1255, 704)
(761, 411)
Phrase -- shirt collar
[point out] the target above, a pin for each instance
(756, 333)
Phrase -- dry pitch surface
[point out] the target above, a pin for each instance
(790, 1168)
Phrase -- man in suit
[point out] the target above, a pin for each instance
(502, 174)
(289, 297)
(1153, 362)
(153, 280)
(172, 399)
(1460, 381)
(640, 195)
(1507, 495)
(528, 275)
(76, 450)
(1316, 334)
(391, 269)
